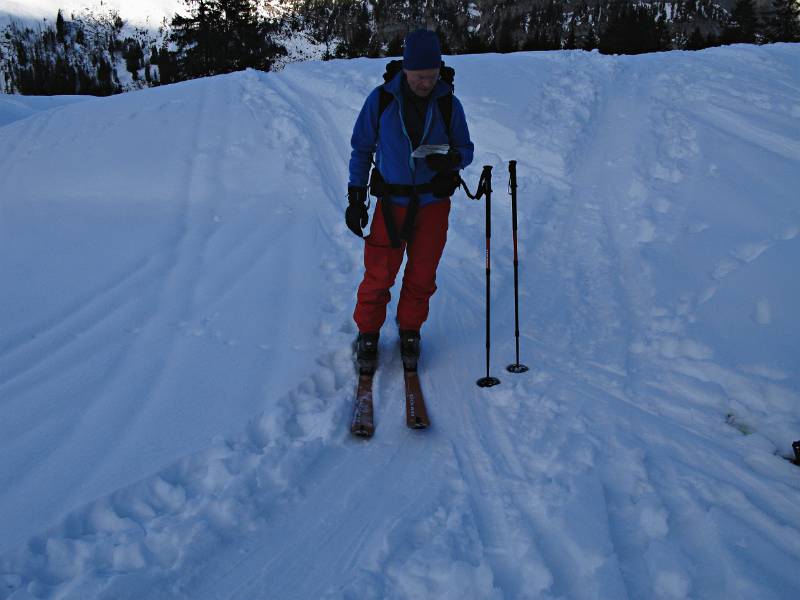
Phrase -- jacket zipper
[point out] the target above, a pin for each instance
(428, 120)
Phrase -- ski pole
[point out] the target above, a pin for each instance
(485, 187)
(512, 185)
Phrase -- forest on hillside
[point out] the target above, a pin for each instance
(100, 54)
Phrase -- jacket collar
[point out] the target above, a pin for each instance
(394, 87)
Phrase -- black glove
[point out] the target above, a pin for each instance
(356, 215)
(441, 163)
(445, 184)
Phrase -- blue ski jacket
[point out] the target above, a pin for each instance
(392, 146)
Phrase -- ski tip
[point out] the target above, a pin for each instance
(362, 431)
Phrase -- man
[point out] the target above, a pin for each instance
(411, 215)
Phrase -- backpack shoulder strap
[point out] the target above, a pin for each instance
(383, 103)
(392, 68)
(446, 108)
(448, 75)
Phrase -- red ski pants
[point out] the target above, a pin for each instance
(382, 262)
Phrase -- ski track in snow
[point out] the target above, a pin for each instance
(637, 459)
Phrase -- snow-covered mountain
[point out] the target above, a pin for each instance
(104, 48)
(175, 326)
(142, 13)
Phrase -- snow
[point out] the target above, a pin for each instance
(176, 377)
(14, 107)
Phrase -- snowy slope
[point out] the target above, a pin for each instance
(175, 373)
(16, 107)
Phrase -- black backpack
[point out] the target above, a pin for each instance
(447, 74)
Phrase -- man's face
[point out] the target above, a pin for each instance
(422, 82)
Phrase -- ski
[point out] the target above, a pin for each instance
(416, 413)
(363, 424)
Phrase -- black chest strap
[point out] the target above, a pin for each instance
(396, 236)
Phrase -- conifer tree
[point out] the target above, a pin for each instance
(744, 24)
(358, 32)
(570, 44)
(168, 70)
(197, 38)
(590, 40)
(696, 40)
(133, 56)
(504, 42)
(634, 30)
(784, 22)
(60, 27)
(395, 47)
(221, 36)
(555, 43)
(241, 36)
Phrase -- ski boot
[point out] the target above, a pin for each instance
(409, 348)
(366, 349)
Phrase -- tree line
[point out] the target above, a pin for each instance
(612, 26)
(101, 56)
(65, 58)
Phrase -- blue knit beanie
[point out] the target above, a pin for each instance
(422, 51)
